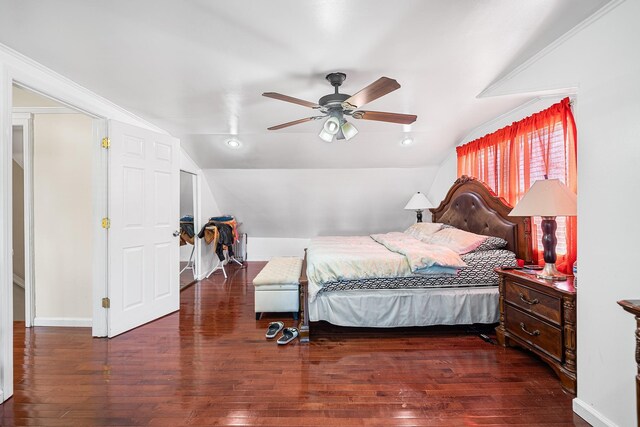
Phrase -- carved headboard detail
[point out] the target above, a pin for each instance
(472, 206)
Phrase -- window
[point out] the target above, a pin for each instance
(511, 159)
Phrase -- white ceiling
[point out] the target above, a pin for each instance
(198, 68)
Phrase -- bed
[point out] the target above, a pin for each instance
(409, 301)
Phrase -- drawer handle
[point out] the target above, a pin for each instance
(526, 301)
(524, 329)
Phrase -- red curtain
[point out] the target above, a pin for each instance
(511, 159)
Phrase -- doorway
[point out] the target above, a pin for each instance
(52, 211)
(189, 253)
(128, 155)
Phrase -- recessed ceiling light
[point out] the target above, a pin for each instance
(233, 143)
(407, 141)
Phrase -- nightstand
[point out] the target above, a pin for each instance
(540, 316)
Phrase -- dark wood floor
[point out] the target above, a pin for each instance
(210, 364)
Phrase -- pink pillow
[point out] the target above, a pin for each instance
(458, 241)
(423, 230)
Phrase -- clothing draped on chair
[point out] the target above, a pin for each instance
(511, 159)
(187, 230)
(226, 230)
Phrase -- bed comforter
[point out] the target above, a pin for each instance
(392, 255)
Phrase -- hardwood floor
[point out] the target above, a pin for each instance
(210, 364)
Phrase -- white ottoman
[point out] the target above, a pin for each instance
(276, 287)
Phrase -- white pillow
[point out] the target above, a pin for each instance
(423, 230)
(459, 241)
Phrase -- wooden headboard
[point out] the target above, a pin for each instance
(472, 206)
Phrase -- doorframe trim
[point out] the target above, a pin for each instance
(25, 119)
(6, 238)
(99, 178)
(195, 179)
(99, 196)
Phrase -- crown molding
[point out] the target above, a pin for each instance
(493, 88)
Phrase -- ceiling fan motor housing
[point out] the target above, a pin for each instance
(334, 101)
(336, 79)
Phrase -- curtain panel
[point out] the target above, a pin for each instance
(511, 159)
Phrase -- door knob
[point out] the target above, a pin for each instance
(176, 233)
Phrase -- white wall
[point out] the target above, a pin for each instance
(295, 204)
(63, 228)
(186, 194)
(603, 61)
(265, 248)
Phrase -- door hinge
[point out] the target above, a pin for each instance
(106, 223)
(106, 303)
(106, 143)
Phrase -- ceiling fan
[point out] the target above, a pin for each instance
(338, 105)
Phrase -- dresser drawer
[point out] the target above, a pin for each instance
(532, 301)
(535, 332)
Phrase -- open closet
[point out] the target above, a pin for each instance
(188, 205)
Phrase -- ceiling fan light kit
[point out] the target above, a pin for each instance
(332, 125)
(348, 130)
(338, 105)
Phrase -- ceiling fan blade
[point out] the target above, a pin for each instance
(381, 116)
(295, 122)
(375, 90)
(291, 99)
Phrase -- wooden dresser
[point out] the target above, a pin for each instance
(540, 315)
(633, 307)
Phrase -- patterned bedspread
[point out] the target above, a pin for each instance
(478, 273)
(359, 262)
(351, 262)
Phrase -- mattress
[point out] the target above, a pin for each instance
(479, 272)
(392, 308)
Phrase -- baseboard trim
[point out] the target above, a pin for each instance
(17, 280)
(590, 415)
(74, 322)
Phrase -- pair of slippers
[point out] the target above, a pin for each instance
(288, 334)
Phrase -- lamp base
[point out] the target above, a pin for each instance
(549, 272)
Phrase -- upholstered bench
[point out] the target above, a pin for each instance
(276, 287)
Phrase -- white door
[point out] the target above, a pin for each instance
(144, 200)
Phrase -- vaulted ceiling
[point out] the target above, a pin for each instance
(198, 68)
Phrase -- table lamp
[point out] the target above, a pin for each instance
(418, 203)
(548, 198)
